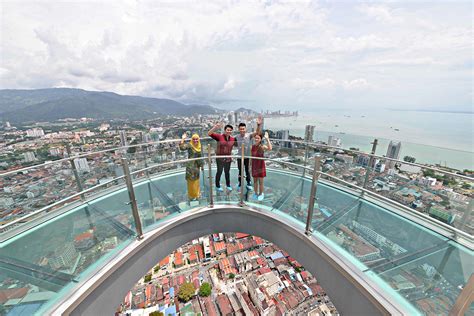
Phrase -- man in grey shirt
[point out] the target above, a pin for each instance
(246, 139)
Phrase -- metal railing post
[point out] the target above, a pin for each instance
(465, 299)
(242, 165)
(312, 196)
(147, 174)
(209, 162)
(80, 188)
(133, 201)
(371, 161)
(305, 158)
(74, 170)
(466, 218)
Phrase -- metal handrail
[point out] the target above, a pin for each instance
(318, 145)
(91, 154)
(313, 144)
(62, 201)
(452, 229)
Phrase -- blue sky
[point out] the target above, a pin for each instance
(264, 54)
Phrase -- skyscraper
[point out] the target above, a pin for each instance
(284, 135)
(393, 151)
(309, 133)
(334, 141)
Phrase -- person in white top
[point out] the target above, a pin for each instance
(246, 139)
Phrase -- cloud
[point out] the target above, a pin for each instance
(356, 84)
(299, 83)
(404, 62)
(268, 52)
(229, 85)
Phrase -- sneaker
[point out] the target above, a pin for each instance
(261, 197)
(229, 188)
(254, 196)
(219, 189)
(249, 187)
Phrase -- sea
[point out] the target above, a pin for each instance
(443, 138)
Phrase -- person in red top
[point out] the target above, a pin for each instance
(258, 165)
(225, 142)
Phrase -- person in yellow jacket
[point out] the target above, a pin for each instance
(192, 167)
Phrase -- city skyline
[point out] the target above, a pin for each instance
(315, 55)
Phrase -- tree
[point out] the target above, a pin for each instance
(157, 313)
(186, 292)
(231, 275)
(147, 278)
(156, 269)
(409, 159)
(205, 289)
(466, 185)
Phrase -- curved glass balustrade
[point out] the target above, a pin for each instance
(416, 260)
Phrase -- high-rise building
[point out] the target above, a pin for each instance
(123, 138)
(230, 118)
(284, 135)
(309, 133)
(334, 141)
(7, 125)
(236, 118)
(29, 156)
(393, 151)
(81, 164)
(64, 257)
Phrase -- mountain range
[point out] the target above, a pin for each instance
(21, 106)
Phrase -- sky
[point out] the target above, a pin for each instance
(296, 55)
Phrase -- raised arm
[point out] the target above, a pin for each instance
(259, 126)
(182, 145)
(269, 144)
(214, 128)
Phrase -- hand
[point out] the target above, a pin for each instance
(218, 125)
(266, 135)
(184, 136)
(259, 120)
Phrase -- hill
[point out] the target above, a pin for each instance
(52, 104)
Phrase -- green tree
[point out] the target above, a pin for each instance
(231, 275)
(147, 278)
(466, 185)
(205, 289)
(186, 292)
(157, 313)
(156, 269)
(409, 159)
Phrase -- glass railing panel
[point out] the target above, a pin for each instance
(100, 168)
(443, 197)
(164, 195)
(25, 192)
(431, 281)
(290, 193)
(41, 263)
(397, 251)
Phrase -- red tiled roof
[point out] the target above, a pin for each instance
(223, 303)
(241, 235)
(165, 261)
(219, 246)
(83, 236)
(178, 258)
(8, 294)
